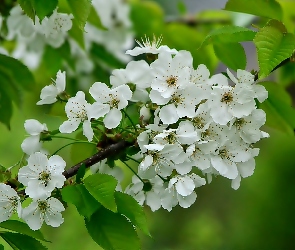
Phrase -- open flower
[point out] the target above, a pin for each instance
(78, 110)
(48, 210)
(42, 175)
(110, 102)
(49, 93)
(9, 202)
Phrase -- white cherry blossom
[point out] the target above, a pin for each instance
(9, 202)
(48, 210)
(78, 111)
(42, 175)
(171, 73)
(50, 93)
(110, 102)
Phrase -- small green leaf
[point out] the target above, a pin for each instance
(278, 107)
(102, 188)
(129, 207)
(1, 247)
(28, 8)
(229, 34)
(21, 74)
(231, 54)
(80, 197)
(44, 7)
(21, 241)
(80, 174)
(23, 228)
(112, 231)
(80, 10)
(264, 8)
(273, 46)
(77, 34)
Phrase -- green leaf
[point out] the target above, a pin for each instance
(21, 242)
(229, 34)
(112, 231)
(44, 7)
(273, 46)
(80, 10)
(102, 188)
(278, 107)
(5, 108)
(264, 8)
(52, 60)
(1, 247)
(28, 8)
(231, 54)
(77, 34)
(102, 55)
(20, 73)
(129, 207)
(23, 228)
(80, 197)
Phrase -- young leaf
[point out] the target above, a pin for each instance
(278, 107)
(21, 241)
(102, 188)
(231, 54)
(80, 10)
(23, 228)
(264, 8)
(28, 8)
(273, 45)
(80, 197)
(229, 34)
(112, 231)
(132, 210)
(44, 7)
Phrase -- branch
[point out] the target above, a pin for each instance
(104, 153)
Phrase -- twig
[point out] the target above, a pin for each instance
(104, 153)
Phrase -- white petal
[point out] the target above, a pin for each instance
(153, 200)
(60, 81)
(187, 201)
(100, 92)
(31, 145)
(69, 126)
(168, 114)
(34, 127)
(113, 118)
(87, 130)
(185, 186)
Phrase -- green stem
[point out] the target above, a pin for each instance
(133, 171)
(71, 144)
(129, 118)
(64, 137)
(18, 163)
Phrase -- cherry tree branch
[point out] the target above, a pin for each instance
(111, 150)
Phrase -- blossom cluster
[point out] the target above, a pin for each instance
(192, 127)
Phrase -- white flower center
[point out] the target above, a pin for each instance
(172, 81)
(43, 206)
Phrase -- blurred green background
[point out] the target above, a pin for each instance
(260, 215)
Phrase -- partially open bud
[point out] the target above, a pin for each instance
(145, 113)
